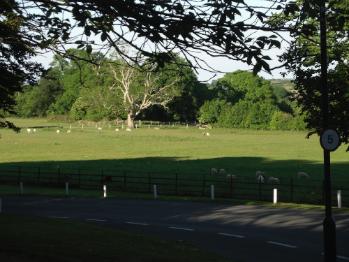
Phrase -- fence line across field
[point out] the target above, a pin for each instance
(174, 183)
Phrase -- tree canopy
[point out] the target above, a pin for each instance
(303, 59)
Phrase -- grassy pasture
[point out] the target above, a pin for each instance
(168, 150)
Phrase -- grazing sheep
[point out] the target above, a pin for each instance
(273, 180)
(214, 171)
(117, 130)
(230, 176)
(222, 171)
(68, 131)
(156, 128)
(34, 130)
(260, 176)
(301, 174)
(29, 130)
(128, 129)
(99, 129)
(58, 131)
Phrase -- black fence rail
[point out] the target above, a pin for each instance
(289, 190)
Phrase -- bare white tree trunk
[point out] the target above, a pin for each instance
(130, 120)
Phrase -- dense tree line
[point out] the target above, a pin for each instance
(244, 100)
(114, 89)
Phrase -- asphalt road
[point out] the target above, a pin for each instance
(242, 233)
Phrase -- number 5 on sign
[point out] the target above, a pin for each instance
(329, 140)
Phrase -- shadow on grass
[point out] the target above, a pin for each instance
(239, 166)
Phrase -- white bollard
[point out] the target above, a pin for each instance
(275, 196)
(155, 191)
(21, 189)
(66, 188)
(212, 192)
(104, 191)
(339, 198)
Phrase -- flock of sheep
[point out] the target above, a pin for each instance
(100, 128)
(260, 176)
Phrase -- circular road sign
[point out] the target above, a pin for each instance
(329, 140)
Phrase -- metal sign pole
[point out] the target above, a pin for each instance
(329, 226)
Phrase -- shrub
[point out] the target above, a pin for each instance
(209, 112)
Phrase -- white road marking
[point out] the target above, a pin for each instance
(281, 244)
(95, 220)
(231, 235)
(339, 257)
(42, 201)
(136, 223)
(343, 258)
(58, 217)
(182, 228)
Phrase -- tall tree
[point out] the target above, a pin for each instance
(303, 59)
(142, 88)
(151, 27)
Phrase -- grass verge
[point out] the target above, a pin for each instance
(26, 239)
(58, 192)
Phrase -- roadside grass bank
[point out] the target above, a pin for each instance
(6, 190)
(27, 239)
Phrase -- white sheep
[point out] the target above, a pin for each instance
(68, 131)
(156, 128)
(58, 131)
(302, 174)
(128, 129)
(29, 130)
(222, 171)
(206, 134)
(273, 180)
(214, 171)
(34, 130)
(117, 130)
(230, 176)
(260, 176)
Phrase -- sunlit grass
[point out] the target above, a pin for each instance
(183, 150)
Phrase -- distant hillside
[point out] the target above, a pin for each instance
(282, 83)
(282, 88)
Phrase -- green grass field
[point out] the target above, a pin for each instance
(182, 150)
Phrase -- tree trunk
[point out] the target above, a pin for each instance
(130, 120)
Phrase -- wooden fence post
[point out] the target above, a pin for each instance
(125, 181)
(58, 174)
(79, 177)
(19, 175)
(259, 190)
(231, 186)
(176, 187)
(203, 184)
(291, 189)
(149, 182)
(39, 175)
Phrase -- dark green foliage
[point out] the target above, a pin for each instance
(248, 101)
(303, 60)
(36, 100)
(16, 49)
(246, 114)
(211, 110)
